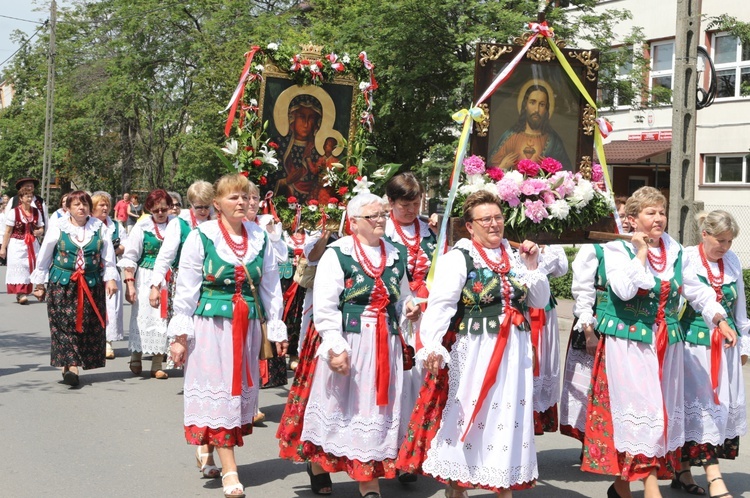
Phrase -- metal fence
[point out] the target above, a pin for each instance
(741, 245)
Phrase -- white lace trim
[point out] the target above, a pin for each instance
(574, 399)
(546, 392)
(367, 434)
(276, 330)
(586, 318)
(212, 405)
(332, 341)
(482, 475)
(91, 226)
(181, 325)
(346, 245)
(704, 421)
(632, 423)
(423, 353)
(147, 223)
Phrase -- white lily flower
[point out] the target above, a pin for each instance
(259, 68)
(345, 59)
(269, 156)
(362, 186)
(363, 85)
(379, 174)
(231, 148)
(273, 46)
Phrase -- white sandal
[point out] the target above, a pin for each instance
(208, 471)
(228, 490)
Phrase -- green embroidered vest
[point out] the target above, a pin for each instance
(286, 269)
(219, 282)
(481, 297)
(634, 319)
(358, 286)
(64, 260)
(692, 322)
(427, 244)
(184, 232)
(151, 246)
(116, 231)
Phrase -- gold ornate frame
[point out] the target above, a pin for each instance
(490, 57)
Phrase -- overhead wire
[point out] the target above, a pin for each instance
(26, 42)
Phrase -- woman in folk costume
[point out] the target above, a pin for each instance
(545, 337)
(417, 243)
(714, 387)
(78, 262)
(113, 231)
(294, 294)
(345, 416)
(148, 329)
(636, 413)
(163, 277)
(473, 423)
(23, 224)
(226, 266)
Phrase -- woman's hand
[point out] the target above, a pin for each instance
(730, 336)
(130, 294)
(338, 363)
(178, 349)
(39, 232)
(3, 252)
(433, 363)
(413, 312)
(111, 288)
(592, 342)
(154, 296)
(281, 348)
(640, 241)
(743, 358)
(529, 254)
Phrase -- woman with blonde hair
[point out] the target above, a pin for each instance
(227, 288)
(714, 386)
(102, 203)
(635, 424)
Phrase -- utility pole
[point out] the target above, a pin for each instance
(47, 158)
(682, 205)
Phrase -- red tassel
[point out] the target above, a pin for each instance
(717, 351)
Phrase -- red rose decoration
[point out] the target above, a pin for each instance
(333, 200)
(305, 62)
(273, 145)
(313, 202)
(319, 64)
(248, 148)
(343, 190)
(594, 451)
(263, 180)
(291, 199)
(257, 163)
(352, 170)
(349, 283)
(245, 174)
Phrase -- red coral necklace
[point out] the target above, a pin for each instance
(367, 265)
(238, 248)
(715, 281)
(501, 267)
(411, 243)
(156, 229)
(658, 263)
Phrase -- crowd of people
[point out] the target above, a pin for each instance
(394, 377)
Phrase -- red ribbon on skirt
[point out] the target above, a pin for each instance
(83, 289)
(537, 321)
(662, 341)
(378, 302)
(419, 289)
(240, 323)
(289, 297)
(512, 316)
(164, 300)
(717, 351)
(29, 239)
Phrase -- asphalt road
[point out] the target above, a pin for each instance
(118, 435)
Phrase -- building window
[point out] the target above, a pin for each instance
(662, 71)
(732, 61)
(621, 93)
(726, 169)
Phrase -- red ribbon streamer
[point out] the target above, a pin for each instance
(378, 302)
(512, 316)
(29, 239)
(289, 297)
(662, 341)
(164, 300)
(537, 320)
(419, 289)
(716, 353)
(237, 95)
(83, 288)
(268, 206)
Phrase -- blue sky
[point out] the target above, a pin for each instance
(22, 9)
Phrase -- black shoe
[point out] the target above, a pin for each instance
(70, 378)
(406, 478)
(320, 481)
(612, 493)
(692, 489)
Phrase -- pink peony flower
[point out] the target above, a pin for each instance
(549, 198)
(597, 174)
(528, 167)
(473, 165)
(551, 165)
(508, 190)
(533, 186)
(495, 173)
(535, 210)
(564, 181)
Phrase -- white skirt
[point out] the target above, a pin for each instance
(114, 315)
(208, 375)
(705, 421)
(575, 389)
(637, 398)
(547, 384)
(499, 449)
(148, 330)
(342, 415)
(413, 379)
(17, 260)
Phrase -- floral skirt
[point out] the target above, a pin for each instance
(599, 453)
(289, 434)
(702, 454)
(85, 349)
(220, 438)
(545, 421)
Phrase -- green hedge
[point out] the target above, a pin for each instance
(560, 286)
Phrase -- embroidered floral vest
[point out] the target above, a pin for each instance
(218, 285)
(634, 319)
(151, 246)
(358, 286)
(692, 322)
(481, 303)
(64, 260)
(419, 270)
(20, 227)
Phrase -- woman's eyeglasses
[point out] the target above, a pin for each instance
(487, 220)
(200, 207)
(160, 210)
(375, 217)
